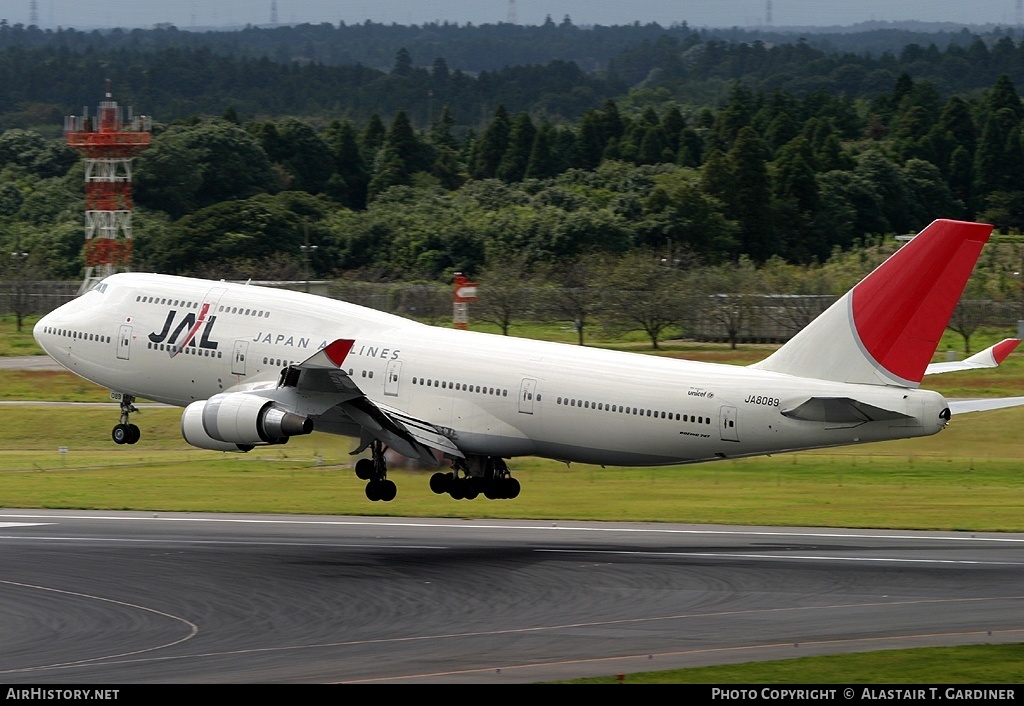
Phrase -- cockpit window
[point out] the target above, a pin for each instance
(99, 287)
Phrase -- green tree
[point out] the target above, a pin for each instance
(504, 295)
(371, 139)
(491, 146)
(579, 293)
(253, 229)
(520, 144)
(300, 151)
(731, 298)
(645, 295)
(544, 162)
(752, 200)
(414, 152)
(168, 175)
(730, 121)
(348, 184)
(39, 156)
(230, 163)
(687, 221)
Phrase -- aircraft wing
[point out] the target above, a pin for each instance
(409, 436)
(988, 358)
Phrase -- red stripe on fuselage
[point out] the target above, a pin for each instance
(192, 332)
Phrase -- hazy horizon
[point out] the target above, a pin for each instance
(185, 14)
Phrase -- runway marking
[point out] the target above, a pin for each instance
(807, 557)
(553, 526)
(551, 628)
(26, 524)
(193, 629)
(648, 657)
(368, 544)
(221, 542)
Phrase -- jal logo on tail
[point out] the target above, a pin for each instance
(191, 325)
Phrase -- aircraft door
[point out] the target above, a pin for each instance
(526, 393)
(124, 342)
(392, 377)
(238, 357)
(727, 420)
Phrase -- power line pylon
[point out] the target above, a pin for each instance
(108, 143)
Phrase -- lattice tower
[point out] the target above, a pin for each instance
(107, 143)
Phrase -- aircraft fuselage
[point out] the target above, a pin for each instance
(178, 340)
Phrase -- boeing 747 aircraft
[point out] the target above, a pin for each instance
(254, 366)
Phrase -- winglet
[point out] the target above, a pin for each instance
(886, 329)
(338, 350)
(330, 356)
(1001, 350)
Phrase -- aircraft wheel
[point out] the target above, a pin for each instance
(121, 434)
(364, 469)
(457, 490)
(439, 482)
(373, 491)
(511, 488)
(134, 434)
(388, 490)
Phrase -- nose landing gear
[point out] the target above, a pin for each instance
(125, 433)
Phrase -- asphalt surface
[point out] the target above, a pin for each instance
(144, 598)
(29, 362)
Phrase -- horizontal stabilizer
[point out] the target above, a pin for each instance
(991, 357)
(983, 405)
(840, 410)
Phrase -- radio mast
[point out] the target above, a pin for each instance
(107, 143)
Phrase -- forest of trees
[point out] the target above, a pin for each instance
(699, 154)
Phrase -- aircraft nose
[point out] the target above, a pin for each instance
(39, 331)
(45, 333)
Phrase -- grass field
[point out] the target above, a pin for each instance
(969, 477)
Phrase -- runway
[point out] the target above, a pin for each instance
(145, 598)
(29, 362)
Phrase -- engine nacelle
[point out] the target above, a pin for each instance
(238, 422)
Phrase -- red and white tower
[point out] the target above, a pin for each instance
(108, 143)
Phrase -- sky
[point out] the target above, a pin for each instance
(186, 14)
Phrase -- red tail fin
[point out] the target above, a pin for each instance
(902, 308)
(886, 329)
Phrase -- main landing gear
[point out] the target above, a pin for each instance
(125, 433)
(468, 478)
(489, 476)
(375, 471)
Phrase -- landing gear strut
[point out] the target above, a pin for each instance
(489, 476)
(125, 433)
(375, 471)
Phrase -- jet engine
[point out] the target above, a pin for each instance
(238, 422)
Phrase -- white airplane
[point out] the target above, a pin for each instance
(254, 366)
